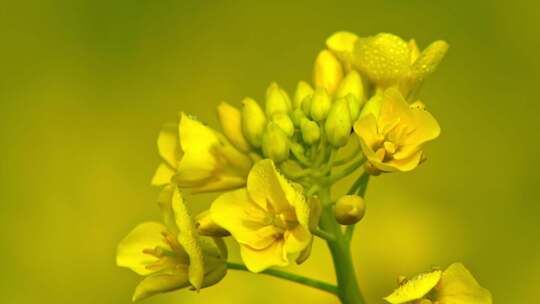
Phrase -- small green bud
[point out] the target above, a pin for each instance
(253, 121)
(207, 227)
(277, 100)
(339, 123)
(302, 91)
(284, 122)
(349, 209)
(351, 84)
(275, 143)
(306, 105)
(297, 117)
(311, 133)
(354, 106)
(320, 104)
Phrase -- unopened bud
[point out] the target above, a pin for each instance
(350, 209)
(277, 100)
(306, 105)
(311, 133)
(320, 104)
(429, 59)
(253, 122)
(207, 227)
(351, 84)
(327, 71)
(342, 45)
(231, 123)
(354, 106)
(275, 143)
(302, 91)
(297, 117)
(284, 122)
(339, 123)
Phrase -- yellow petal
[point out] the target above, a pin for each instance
(188, 238)
(219, 183)
(231, 123)
(247, 222)
(163, 175)
(168, 144)
(406, 164)
(159, 283)
(415, 288)
(259, 260)
(165, 205)
(366, 129)
(342, 45)
(264, 186)
(458, 286)
(297, 239)
(130, 250)
(395, 108)
(426, 128)
(384, 58)
(197, 142)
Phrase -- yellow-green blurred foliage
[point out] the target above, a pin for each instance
(86, 85)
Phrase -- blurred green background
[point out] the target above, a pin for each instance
(86, 85)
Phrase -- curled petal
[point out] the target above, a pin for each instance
(161, 282)
(130, 250)
(259, 260)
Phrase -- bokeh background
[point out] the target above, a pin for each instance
(86, 85)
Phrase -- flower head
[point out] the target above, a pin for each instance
(455, 285)
(171, 256)
(197, 157)
(270, 218)
(393, 138)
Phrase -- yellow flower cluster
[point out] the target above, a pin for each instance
(274, 165)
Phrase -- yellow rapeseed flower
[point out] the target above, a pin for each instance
(270, 218)
(392, 139)
(455, 285)
(197, 157)
(171, 256)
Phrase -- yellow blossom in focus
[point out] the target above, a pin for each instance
(393, 139)
(197, 157)
(171, 256)
(270, 218)
(455, 285)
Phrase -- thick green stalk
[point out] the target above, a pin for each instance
(348, 289)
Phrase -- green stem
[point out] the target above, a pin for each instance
(290, 277)
(348, 289)
(347, 171)
(359, 187)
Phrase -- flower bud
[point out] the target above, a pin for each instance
(284, 122)
(277, 100)
(342, 45)
(306, 105)
(349, 209)
(302, 91)
(327, 71)
(297, 117)
(253, 121)
(372, 106)
(207, 227)
(231, 123)
(354, 106)
(311, 133)
(339, 123)
(275, 143)
(351, 84)
(320, 104)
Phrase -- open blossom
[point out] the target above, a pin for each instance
(393, 137)
(270, 218)
(170, 256)
(199, 158)
(455, 285)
